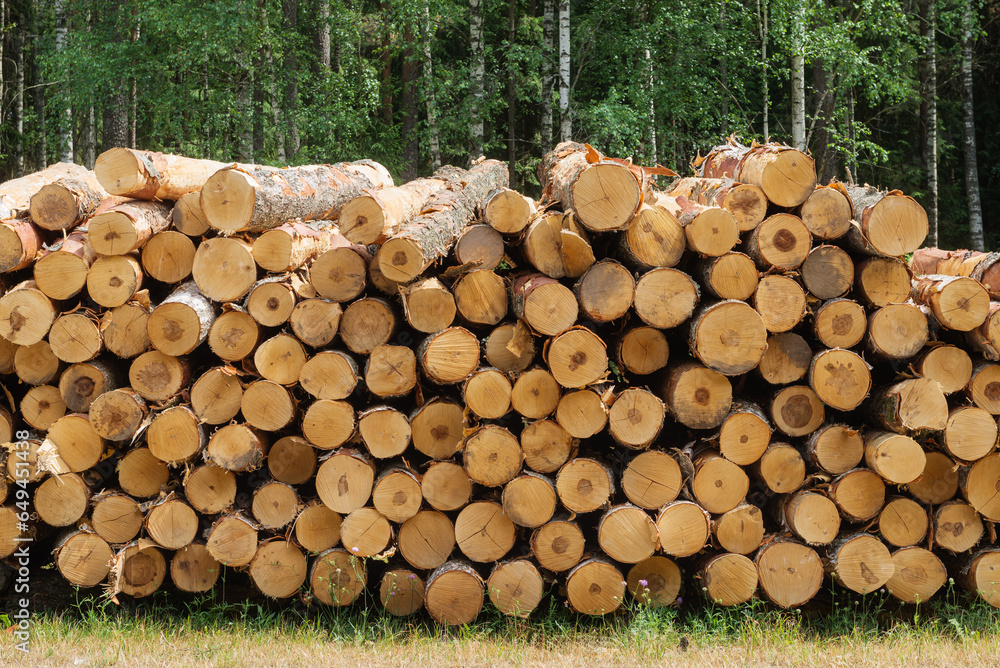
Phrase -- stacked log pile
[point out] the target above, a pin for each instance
(443, 391)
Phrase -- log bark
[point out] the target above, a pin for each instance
(20, 241)
(983, 267)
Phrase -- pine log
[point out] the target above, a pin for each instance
(655, 582)
(329, 424)
(516, 587)
(557, 246)
(315, 321)
(224, 269)
(317, 528)
(337, 578)
(957, 526)
(708, 230)
(438, 428)
(20, 241)
(910, 405)
(547, 446)
(175, 435)
(492, 456)
(980, 266)
(811, 516)
(76, 444)
(391, 371)
(797, 411)
(919, 575)
(835, 448)
(483, 532)
(344, 481)
(985, 339)
(828, 272)
(786, 176)
(604, 194)
(481, 297)
(37, 364)
(124, 329)
(544, 304)
(860, 562)
(584, 485)
(582, 414)
(781, 468)
(116, 415)
(80, 384)
(780, 301)
(984, 387)
(840, 378)
(938, 482)
(642, 350)
(194, 569)
(558, 545)
(487, 393)
(61, 269)
(739, 530)
(7, 352)
(234, 334)
(271, 301)
(16, 194)
(718, 484)
(182, 321)
(210, 489)
(882, 280)
(827, 212)
(888, 223)
(665, 297)
(449, 356)
(605, 291)
(903, 522)
(595, 587)
(127, 227)
(446, 486)
(429, 237)
(377, 215)
(957, 302)
(429, 305)
(479, 245)
(786, 359)
(150, 175)
(138, 570)
(187, 217)
(507, 211)
(142, 475)
(368, 323)
(970, 435)
(535, 394)
(237, 447)
(116, 517)
(61, 500)
(427, 539)
(232, 540)
(292, 460)
(268, 406)
(790, 572)
(294, 244)
(728, 579)
(635, 418)
(979, 575)
(365, 532)
(454, 594)
(627, 534)
(401, 592)
(859, 494)
(279, 359)
(172, 523)
(897, 331)
(82, 557)
(747, 203)
(114, 280)
(728, 337)
(577, 357)
(840, 323)
(696, 396)
(898, 459)
(781, 242)
(745, 434)
(396, 494)
(730, 276)
(979, 486)
(384, 431)
(684, 528)
(654, 238)
(278, 569)
(340, 273)
(42, 406)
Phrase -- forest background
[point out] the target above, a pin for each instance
(899, 93)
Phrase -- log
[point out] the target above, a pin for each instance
(116, 517)
(151, 175)
(860, 562)
(665, 297)
(684, 528)
(82, 558)
(508, 211)
(483, 532)
(366, 324)
(635, 418)
(365, 532)
(37, 364)
(897, 331)
(516, 587)
(487, 393)
(329, 424)
(428, 305)
(492, 457)
(391, 371)
(745, 434)
(859, 494)
(82, 383)
(919, 575)
(979, 486)
(780, 301)
(138, 570)
(790, 573)
(708, 230)
(605, 292)
(454, 594)
(61, 500)
(182, 321)
(114, 280)
(728, 337)
(479, 245)
(974, 264)
(317, 528)
(888, 223)
(194, 569)
(828, 272)
(278, 568)
(7, 352)
(903, 522)
(315, 321)
(729, 276)
(529, 500)
(835, 448)
(510, 347)
(224, 269)
(547, 446)
(378, 214)
(781, 242)
(535, 394)
(61, 269)
(449, 356)
(124, 329)
(739, 530)
(786, 359)
(577, 358)
(344, 481)
(438, 428)
(340, 274)
(429, 237)
(811, 516)
(16, 194)
(728, 579)
(271, 302)
(627, 534)
(938, 482)
(696, 396)
(210, 489)
(77, 445)
(142, 475)
(781, 468)
(840, 378)
(384, 431)
(292, 245)
(909, 406)
(718, 485)
(985, 339)
(279, 359)
(979, 575)
(172, 523)
(234, 334)
(127, 227)
(481, 297)
(20, 241)
(898, 459)
(581, 178)
(840, 323)
(880, 281)
(582, 414)
(117, 415)
(746, 202)
(827, 211)
(642, 350)
(797, 411)
(956, 302)
(542, 303)
(396, 495)
(787, 176)
(187, 217)
(337, 578)
(558, 545)
(292, 460)
(446, 486)
(237, 447)
(594, 587)
(957, 526)
(42, 406)
(654, 238)
(970, 435)
(557, 246)
(984, 387)
(401, 592)
(427, 539)
(584, 485)
(268, 406)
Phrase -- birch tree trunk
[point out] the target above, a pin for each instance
(928, 112)
(762, 27)
(798, 76)
(19, 104)
(565, 115)
(478, 68)
(548, 34)
(969, 131)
